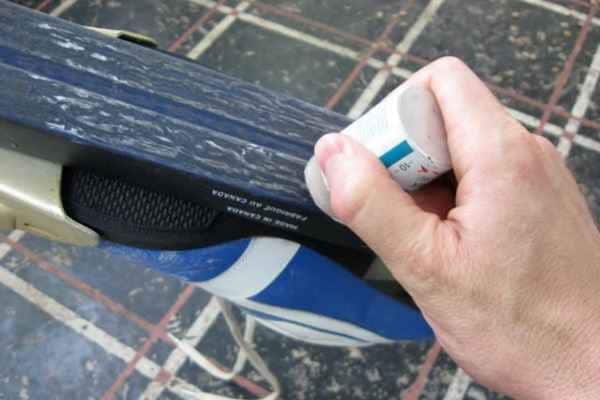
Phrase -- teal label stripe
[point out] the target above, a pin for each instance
(396, 154)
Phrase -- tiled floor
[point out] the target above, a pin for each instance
(73, 328)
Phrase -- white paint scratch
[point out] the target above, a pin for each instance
(98, 56)
(69, 45)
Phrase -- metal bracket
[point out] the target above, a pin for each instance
(30, 200)
(30, 197)
(128, 36)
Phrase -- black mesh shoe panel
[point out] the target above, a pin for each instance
(135, 216)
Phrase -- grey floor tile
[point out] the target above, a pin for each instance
(508, 42)
(93, 311)
(44, 359)
(365, 20)
(361, 82)
(140, 290)
(271, 60)
(439, 379)
(315, 372)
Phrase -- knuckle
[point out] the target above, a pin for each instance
(546, 147)
(419, 255)
(543, 142)
(348, 204)
(527, 158)
(524, 168)
(449, 64)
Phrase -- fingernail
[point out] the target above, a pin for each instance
(329, 146)
(317, 186)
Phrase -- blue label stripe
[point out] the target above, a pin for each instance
(396, 154)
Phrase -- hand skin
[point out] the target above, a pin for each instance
(507, 269)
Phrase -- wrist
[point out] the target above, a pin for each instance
(579, 377)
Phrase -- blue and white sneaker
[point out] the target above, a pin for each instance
(313, 292)
(292, 290)
(308, 290)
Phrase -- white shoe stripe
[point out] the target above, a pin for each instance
(258, 266)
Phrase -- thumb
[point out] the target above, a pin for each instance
(366, 199)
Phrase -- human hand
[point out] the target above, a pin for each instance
(507, 269)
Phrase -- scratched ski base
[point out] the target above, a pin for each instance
(73, 96)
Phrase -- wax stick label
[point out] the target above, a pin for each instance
(381, 130)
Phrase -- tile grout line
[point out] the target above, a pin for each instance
(459, 386)
(378, 82)
(510, 93)
(91, 292)
(80, 325)
(305, 38)
(81, 286)
(355, 73)
(5, 248)
(359, 39)
(349, 53)
(587, 143)
(42, 5)
(57, 310)
(264, 23)
(271, 9)
(581, 105)
(197, 25)
(222, 27)
(374, 63)
(64, 6)
(177, 358)
(533, 122)
(148, 344)
(566, 72)
(525, 119)
(560, 9)
(288, 32)
(71, 319)
(414, 391)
